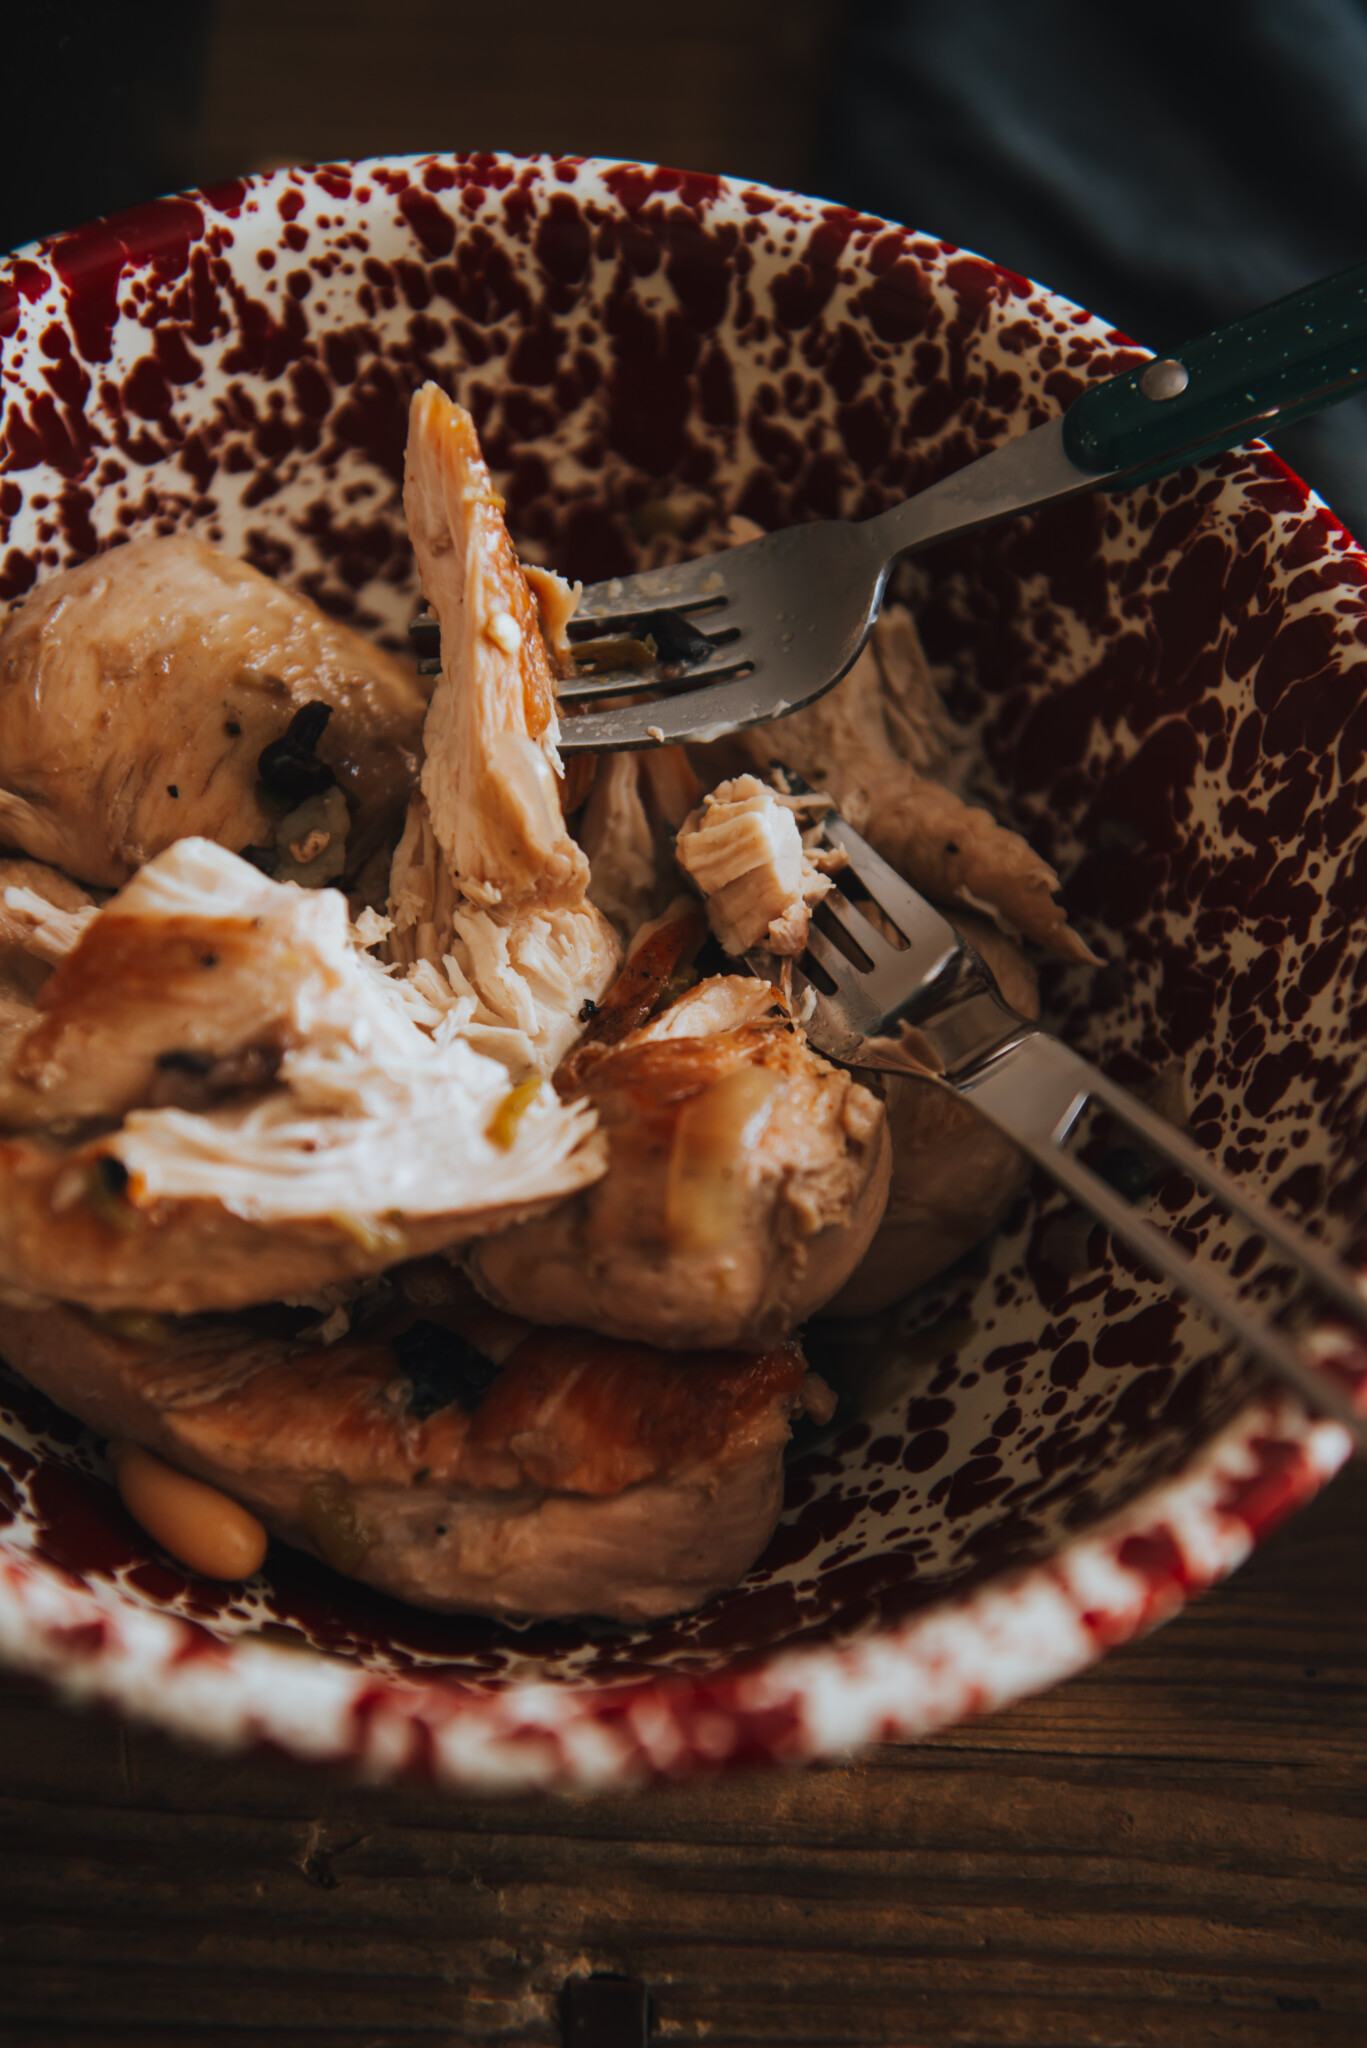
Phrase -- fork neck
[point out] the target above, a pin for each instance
(968, 1021)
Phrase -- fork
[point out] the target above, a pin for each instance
(732, 639)
(861, 989)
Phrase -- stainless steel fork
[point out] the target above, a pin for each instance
(743, 636)
(865, 988)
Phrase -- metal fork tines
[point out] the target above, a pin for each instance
(702, 648)
(872, 1001)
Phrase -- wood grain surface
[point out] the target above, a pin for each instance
(1169, 1850)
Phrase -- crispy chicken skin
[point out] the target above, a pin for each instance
(138, 691)
(745, 1179)
(569, 1475)
(954, 1175)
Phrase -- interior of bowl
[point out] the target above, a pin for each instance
(1163, 688)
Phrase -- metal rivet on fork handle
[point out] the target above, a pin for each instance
(1166, 378)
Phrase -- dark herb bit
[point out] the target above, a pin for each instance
(173, 789)
(442, 1368)
(232, 728)
(197, 1081)
(106, 1190)
(183, 1062)
(289, 766)
(208, 959)
(588, 1008)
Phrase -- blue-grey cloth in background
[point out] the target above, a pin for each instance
(1168, 166)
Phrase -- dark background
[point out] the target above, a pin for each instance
(1167, 167)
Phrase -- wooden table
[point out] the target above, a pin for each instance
(1170, 1850)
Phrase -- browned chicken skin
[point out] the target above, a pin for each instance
(543, 1473)
(745, 1179)
(138, 691)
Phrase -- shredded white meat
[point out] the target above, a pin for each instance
(744, 850)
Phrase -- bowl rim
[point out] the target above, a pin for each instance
(1021, 1631)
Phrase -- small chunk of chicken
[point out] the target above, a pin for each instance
(138, 691)
(371, 1131)
(488, 887)
(455, 1463)
(745, 1180)
(860, 743)
(744, 851)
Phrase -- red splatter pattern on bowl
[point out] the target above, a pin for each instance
(1042, 1452)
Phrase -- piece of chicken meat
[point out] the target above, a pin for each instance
(746, 1177)
(461, 1460)
(859, 743)
(488, 888)
(139, 692)
(291, 1115)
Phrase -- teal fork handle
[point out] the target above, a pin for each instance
(1258, 374)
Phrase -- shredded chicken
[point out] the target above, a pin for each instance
(619, 839)
(488, 887)
(745, 852)
(365, 1116)
(138, 692)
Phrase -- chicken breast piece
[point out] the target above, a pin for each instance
(745, 1179)
(198, 958)
(954, 1175)
(487, 886)
(138, 692)
(323, 1120)
(744, 851)
(859, 743)
(454, 1463)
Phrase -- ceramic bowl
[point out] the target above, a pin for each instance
(1047, 1452)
